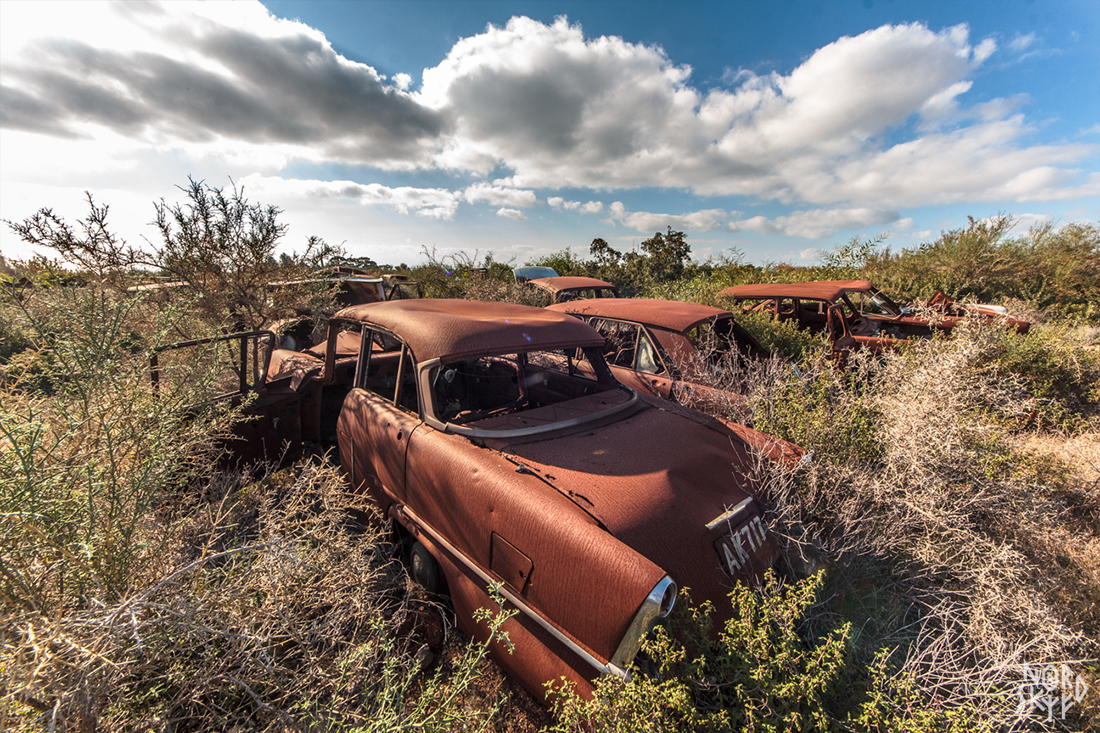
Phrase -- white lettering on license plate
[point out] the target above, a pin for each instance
(736, 547)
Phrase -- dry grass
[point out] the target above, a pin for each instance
(279, 613)
(951, 536)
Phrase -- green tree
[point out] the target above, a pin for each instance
(666, 256)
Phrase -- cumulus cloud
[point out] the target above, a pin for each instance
(198, 72)
(500, 196)
(645, 221)
(864, 126)
(434, 203)
(560, 109)
(591, 207)
(816, 223)
(514, 214)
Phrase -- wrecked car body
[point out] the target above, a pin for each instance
(497, 439)
(474, 427)
(854, 313)
(677, 351)
(565, 289)
(559, 289)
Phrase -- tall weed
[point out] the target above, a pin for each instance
(273, 611)
(88, 451)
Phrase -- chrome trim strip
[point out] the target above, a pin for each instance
(725, 516)
(643, 621)
(608, 668)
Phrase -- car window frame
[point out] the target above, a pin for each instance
(406, 361)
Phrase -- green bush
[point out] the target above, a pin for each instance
(756, 674)
(1057, 367)
(88, 450)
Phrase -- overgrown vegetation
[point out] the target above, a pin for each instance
(143, 589)
(946, 531)
(217, 250)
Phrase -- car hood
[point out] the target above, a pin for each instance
(655, 480)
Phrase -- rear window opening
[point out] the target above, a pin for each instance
(472, 391)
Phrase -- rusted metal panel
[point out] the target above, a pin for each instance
(815, 290)
(670, 314)
(566, 288)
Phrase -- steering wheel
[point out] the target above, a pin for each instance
(859, 325)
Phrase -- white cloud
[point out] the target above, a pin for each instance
(564, 110)
(499, 196)
(863, 127)
(591, 207)
(434, 203)
(515, 214)
(816, 223)
(1023, 222)
(1020, 43)
(644, 221)
(204, 73)
(809, 254)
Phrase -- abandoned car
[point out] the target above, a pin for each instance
(679, 351)
(496, 436)
(559, 289)
(565, 289)
(509, 457)
(853, 312)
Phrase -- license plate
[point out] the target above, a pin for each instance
(736, 548)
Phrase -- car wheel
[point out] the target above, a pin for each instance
(425, 570)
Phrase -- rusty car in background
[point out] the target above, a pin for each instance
(497, 439)
(562, 288)
(351, 286)
(684, 352)
(566, 289)
(854, 313)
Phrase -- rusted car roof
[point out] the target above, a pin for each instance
(819, 290)
(558, 284)
(672, 315)
(442, 328)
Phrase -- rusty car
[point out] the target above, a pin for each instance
(513, 463)
(684, 352)
(567, 288)
(562, 288)
(498, 440)
(854, 313)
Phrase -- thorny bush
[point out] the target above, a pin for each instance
(275, 612)
(944, 541)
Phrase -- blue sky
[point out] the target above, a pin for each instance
(778, 129)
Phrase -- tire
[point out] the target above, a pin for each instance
(424, 569)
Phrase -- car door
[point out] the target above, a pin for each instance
(633, 357)
(236, 367)
(378, 417)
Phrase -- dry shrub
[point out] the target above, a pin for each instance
(282, 613)
(943, 542)
(485, 288)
